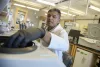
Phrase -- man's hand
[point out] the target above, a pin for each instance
(23, 37)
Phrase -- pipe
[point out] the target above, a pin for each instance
(88, 1)
(69, 6)
(81, 19)
(87, 19)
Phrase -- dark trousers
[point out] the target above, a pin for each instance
(67, 59)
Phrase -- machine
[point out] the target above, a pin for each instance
(93, 38)
(90, 43)
(33, 56)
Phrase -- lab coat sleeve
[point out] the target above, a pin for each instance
(64, 35)
(58, 43)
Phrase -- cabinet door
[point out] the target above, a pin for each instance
(82, 58)
(78, 58)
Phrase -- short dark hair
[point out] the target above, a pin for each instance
(55, 9)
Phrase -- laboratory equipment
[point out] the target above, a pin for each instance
(30, 57)
(91, 43)
(94, 31)
(93, 39)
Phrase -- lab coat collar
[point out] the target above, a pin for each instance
(56, 28)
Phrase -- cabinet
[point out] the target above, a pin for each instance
(83, 55)
(84, 59)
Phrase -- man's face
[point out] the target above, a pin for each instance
(53, 19)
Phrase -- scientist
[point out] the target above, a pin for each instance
(54, 37)
(57, 38)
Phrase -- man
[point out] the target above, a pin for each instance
(54, 38)
(57, 38)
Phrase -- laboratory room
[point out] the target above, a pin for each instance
(49, 33)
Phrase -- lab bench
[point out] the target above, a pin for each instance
(75, 46)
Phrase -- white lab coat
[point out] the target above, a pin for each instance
(59, 41)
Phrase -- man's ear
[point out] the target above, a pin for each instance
(59, 19)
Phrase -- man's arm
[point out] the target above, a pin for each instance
(47, 38)
(23, 37)
(55, 42)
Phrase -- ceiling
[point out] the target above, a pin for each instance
(74, 7)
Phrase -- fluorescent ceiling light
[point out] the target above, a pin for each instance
(45, 2)
(73, 10)
(19, 5)
(26, 7)
(67, 13)
(27, 2)
(32, 8)
(77, 11)
(94, 8)
(45, 10)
